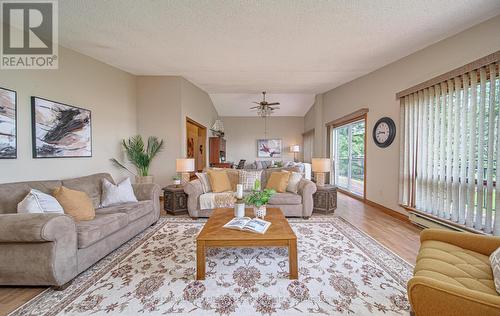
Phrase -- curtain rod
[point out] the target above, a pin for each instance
(481, 62)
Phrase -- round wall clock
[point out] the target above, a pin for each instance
(384, 132)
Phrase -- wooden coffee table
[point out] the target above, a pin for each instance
(280, 234)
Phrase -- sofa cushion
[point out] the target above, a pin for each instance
(454, 265)
(103, 225)
(92, 185)
(285, 198)
(495, 267)
(134, 210)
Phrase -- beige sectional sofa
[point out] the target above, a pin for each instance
(51, 249)
(292, 205)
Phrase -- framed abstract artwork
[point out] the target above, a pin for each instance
(60, 130)
(8, 124)
(269, 148)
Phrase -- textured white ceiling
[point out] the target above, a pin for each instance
(283, 46)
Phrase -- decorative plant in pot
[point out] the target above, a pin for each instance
(140, 156)
(259, 199)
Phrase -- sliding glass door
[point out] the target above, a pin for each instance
(348, 143)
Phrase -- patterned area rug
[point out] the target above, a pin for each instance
(341, 271)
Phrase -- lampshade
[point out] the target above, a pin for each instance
(184, 164)
(321, 165)
(294, 148)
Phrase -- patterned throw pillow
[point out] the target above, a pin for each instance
(495, 266)
(247, 178)
(293, 182)
(205, 182)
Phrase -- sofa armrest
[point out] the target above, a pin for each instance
(306, 189)
(432, 297)
(475, 242)
(35, 227)
(149, 192)
(193, 189)
(146, 191)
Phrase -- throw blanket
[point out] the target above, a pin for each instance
(213, 200)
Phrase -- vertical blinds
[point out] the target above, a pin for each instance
(450, 149)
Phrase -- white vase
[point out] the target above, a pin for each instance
(177, 182)
(239, 209)
(260, 211)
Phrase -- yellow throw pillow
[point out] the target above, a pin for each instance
(77, 204)
(278, 181)
(219, 181)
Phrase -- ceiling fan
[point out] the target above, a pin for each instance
(264, 108)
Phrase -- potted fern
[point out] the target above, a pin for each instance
(259, 199)
(140, 156)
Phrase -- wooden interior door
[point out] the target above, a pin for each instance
(196, 140)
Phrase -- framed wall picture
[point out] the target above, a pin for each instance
(269, 148)
(8, 124)
(60, 130)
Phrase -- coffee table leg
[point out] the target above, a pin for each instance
(200, 260)
(292, 258)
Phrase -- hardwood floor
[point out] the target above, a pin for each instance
(399, 236)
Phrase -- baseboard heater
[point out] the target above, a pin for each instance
(429, 222)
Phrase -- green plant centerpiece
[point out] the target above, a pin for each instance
(259, 199)
(140, 156)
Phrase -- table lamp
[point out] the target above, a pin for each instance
(295, 149)
(184, 166)
(320, 166)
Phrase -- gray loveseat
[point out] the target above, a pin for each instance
(51, 249)
(291, 204)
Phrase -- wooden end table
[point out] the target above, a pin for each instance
(174, 200)
(279, 234)
(325, 199)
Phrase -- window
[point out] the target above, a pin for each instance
(450, 148)
(348, 143)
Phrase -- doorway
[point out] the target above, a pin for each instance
(196, 141)
(348, 143)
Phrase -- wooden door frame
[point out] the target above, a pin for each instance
(360, 115)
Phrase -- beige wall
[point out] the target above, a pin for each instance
(242, 134)
(159, 114)
(197, 105)
(81, 81)
(377, 90)
(163, 103)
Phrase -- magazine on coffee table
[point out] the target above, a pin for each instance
(254, 225)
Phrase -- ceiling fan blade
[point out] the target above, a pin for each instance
(255, 107)
(274, 103)
(256, 103)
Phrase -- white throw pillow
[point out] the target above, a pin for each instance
(293, 182)
(117, 194)
(205, 182)
(38, 202)
(495, 267)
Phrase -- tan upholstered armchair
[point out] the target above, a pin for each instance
(453, 275)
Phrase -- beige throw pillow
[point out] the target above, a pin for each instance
(219, 181)
(278, 181)
(77, 204)
(495, 266)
